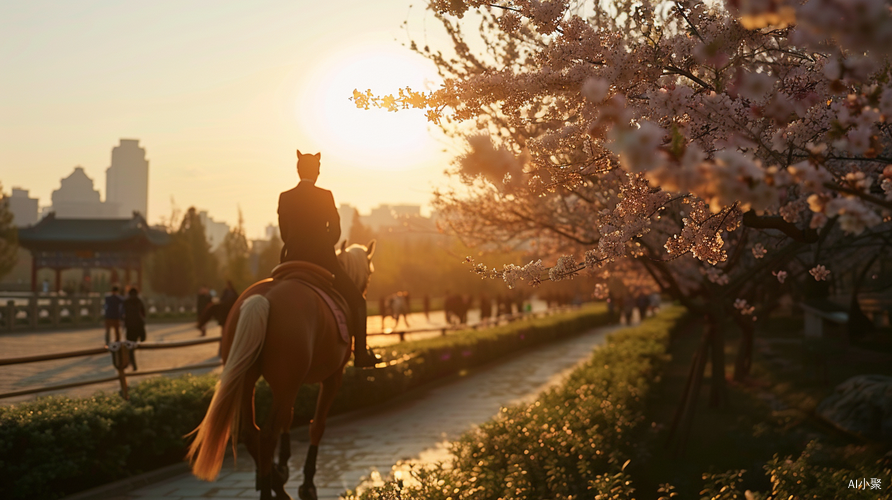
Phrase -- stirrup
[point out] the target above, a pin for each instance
(366, 359)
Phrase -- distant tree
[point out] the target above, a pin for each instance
(268, 257)
(179, 268)
(359, 232)
(9, 238)
(237, 254)
(204, 263)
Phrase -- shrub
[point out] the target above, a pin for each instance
(57, 445)
(575, 440)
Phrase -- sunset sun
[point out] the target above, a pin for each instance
(373, 139)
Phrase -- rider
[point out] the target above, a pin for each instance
(310, 227)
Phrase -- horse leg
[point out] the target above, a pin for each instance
(249, 431)
(327, 392)
(268, 479)
(281, 467)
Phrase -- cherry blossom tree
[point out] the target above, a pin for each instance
(719, 149)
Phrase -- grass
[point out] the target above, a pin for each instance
(772, 413)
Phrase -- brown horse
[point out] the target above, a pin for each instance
(282, 330)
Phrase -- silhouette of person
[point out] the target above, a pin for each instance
(202, 301)
(228, 298)
(114, 310)
(134, 320)
(310, 227)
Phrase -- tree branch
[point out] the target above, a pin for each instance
(860, 194)
(750, 219)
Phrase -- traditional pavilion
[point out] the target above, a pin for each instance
(113, 244)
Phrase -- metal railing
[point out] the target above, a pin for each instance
(121, 350)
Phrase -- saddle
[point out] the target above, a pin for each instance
(320, 280)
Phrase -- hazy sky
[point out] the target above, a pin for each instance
(219, 94)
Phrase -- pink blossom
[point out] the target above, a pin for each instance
(819, 272)
(595, 89)
(759, 251)
(744, 308)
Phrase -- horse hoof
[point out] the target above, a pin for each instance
(281, 495)
(307, 492)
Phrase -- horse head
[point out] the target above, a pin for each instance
(357, 262)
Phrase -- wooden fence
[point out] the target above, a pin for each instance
(120, 351)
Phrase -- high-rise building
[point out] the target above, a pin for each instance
(78, 199)
(127, 179)
(272, 232)
(23, 208)
(345, 212)
(214, 231)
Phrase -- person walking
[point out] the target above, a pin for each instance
(202, 301)
(227, 299)
(426, 301)
(113, 310)
(134, 321)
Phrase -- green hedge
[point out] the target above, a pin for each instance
(56, 446)
(573, 441)
(576, 441)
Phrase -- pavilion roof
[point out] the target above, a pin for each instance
(53, 233)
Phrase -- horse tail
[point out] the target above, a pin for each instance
(222, 419)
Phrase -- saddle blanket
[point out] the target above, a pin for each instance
(318, 279)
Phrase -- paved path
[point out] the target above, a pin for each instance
(359, 448)
(47, 373)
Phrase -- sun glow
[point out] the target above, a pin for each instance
(373, 139)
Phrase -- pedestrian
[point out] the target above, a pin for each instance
(427, 307)
(113, 311)
(202, 301)
(655, 302)
(134, 320)
(228, 298)
(485, 308)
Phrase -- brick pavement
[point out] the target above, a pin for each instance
(359, 448)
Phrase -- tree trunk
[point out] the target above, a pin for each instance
(684, 415)
(745, 352)
(718, 391)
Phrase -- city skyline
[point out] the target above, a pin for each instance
(220, 96)
(22, 204)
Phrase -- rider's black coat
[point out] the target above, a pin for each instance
(309, 225)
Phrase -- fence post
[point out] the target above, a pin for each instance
(33, 312)
(95, 309)
(54, 311)
(75, 310)
(402, 336)
(443, 332)
(10, 314)
(123, 360)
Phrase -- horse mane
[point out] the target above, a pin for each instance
(355, 262)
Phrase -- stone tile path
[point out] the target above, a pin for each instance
(359, 448)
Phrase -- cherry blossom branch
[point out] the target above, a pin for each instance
(750, 219)
(674, 70)
(512, 9)
(680, 9)
(860, 194)
(553, 228)
(738, 251)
